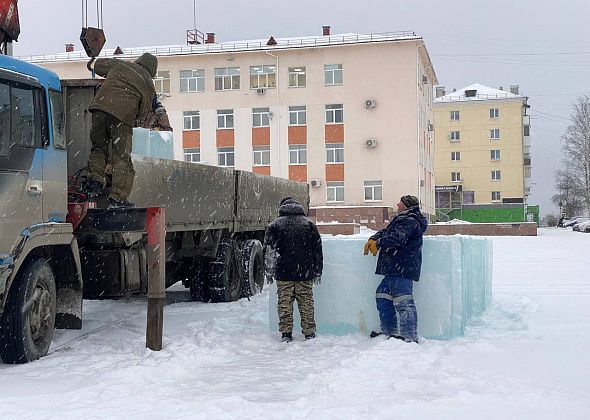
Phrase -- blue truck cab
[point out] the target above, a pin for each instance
(35, 239)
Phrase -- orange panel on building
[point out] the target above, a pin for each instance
(261, 136)
(225, 137)
(298, 134)
(191, 138)
(335, 172)
(334, 133)
(298, 173)
(263, 170)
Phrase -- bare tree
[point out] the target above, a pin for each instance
(568, 198)
(576, 152)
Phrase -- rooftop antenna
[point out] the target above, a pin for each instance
(194, 36)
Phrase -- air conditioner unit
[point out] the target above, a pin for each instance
(315, 183)
(260, 91)
(370, 103)
(371, 143)
(424, 79)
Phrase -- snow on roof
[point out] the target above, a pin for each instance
(482, 93)
(235, 46)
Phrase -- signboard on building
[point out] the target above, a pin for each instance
(448, 188)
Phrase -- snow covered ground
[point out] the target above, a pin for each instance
(527, 358)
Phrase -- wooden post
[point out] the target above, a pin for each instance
(156, 260)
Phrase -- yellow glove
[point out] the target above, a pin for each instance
(371, 246)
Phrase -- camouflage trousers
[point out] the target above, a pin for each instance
(111, 137)
(302, 291)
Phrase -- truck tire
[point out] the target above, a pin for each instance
(198, 282)
(26, 326)
(225, 276)
(253, 266)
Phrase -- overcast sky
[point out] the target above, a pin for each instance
(541, 45)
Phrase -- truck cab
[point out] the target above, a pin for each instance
(34, 234)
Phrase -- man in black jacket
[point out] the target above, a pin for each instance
(293, 257)
(400, 260)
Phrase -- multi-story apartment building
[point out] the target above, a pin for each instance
(349, 114)
(482, 148)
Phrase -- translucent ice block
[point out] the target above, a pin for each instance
(152, 143)
(455, 284)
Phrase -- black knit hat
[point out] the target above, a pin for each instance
(284, 200)
(410, 201)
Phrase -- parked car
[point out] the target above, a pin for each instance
(574, 221)
(582, 226)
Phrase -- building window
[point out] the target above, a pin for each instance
(162, 82)
(262, 76)
(192, 80)
(227, 78)
(261, 156)
(495, 154)
(297, 115)
(225, 156)
(496, 176)
(495, 133)
(334, 152)
(225, 118)
(373, 191)
(191, 120)
(455, 155)
(335, 191)
(456, 176)
(454, 136)
(496, 196)
(333, 74)
(527, 130)
(334, 114)
(192, 154)
(297, 77)
(297, 154)
(454, 115)
(260, 117)
(494, 113)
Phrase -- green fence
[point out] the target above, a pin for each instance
(501, 213)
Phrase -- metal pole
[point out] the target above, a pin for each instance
(156, 259)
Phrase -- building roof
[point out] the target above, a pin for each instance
(235, 46)
(482, 93)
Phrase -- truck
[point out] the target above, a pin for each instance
(56, 248)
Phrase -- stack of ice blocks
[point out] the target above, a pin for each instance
(157, 144)
(455, 286)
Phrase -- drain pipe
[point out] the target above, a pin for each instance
(278, 110)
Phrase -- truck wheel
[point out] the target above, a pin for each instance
(198, 281)
(225, 277)
(253, 265)
(26, 326)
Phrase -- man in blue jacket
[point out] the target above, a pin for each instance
(400, 260)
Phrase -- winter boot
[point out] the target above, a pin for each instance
(287, 337)
(310, 336)
(374, 334)
(116, 204)
(407, 340)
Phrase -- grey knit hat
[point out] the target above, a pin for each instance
(410, 201)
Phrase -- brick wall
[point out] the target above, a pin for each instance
(485, 229)
(372, 217)
(339, 228)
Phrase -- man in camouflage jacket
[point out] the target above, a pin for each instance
(126, 96)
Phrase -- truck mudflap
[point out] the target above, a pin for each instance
(69, 293)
